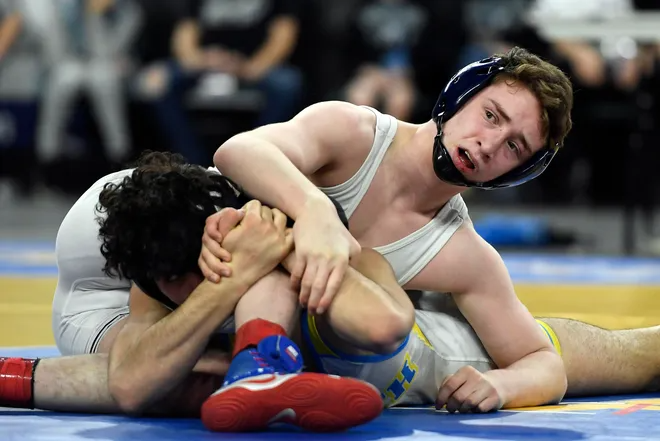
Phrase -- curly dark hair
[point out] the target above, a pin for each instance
(154, 218)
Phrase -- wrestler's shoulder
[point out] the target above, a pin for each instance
(98, 186)
(341, 113)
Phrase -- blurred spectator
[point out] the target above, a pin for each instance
(160, 18)
(10, 26)
(420, 59)
(644, 164)
(20, 76)
(385, 32)
(606, 74)
(592, 63)
(490, 25)
(220, 43)
(436, 56)
(649, 51)
(20, 64)
(85, 46)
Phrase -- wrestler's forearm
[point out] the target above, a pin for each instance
(167, 351)
(268, 175)
(534, 380)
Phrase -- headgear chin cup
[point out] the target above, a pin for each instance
(461, 88)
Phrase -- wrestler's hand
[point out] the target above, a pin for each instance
(259, 243)
(323, 249)
(468, 390)
(213, 255)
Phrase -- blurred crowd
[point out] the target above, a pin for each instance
(86, 85)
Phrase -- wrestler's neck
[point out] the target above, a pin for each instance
(414, 185)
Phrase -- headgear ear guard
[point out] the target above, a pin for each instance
(463, 86)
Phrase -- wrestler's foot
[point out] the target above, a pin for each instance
(315, 402)
(264, 386)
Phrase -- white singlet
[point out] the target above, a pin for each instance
(442, 341)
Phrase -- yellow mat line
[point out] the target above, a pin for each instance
(25, 306)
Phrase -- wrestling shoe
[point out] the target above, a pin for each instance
(265, 386)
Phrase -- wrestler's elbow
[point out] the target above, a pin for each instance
(557, 381)
(561, 378)
(128, 395)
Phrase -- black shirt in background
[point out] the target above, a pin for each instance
(239, 25)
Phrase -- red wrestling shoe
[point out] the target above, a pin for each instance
(314, 402)
(265, 386)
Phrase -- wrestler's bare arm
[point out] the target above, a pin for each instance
(275, 163)
(146, 365)
(281, 165)
(156, 349)
(531, 372)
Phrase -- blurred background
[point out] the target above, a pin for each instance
(87, 85)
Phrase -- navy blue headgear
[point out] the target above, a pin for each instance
(463, 86)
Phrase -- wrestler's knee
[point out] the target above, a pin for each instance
(390, 331)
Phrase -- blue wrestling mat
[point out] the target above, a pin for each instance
(603, 419)
(27, 259)
(624, 418)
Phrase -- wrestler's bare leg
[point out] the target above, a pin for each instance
(600, 361)
(79, 383)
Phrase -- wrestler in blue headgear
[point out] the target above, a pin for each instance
(461, 88)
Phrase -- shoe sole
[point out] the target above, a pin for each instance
(314, 402)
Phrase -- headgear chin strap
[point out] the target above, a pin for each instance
(463, 86)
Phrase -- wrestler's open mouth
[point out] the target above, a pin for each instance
(464, 157)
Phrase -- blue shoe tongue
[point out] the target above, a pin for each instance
(281, 353)
(275, 354)
(247, 363)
